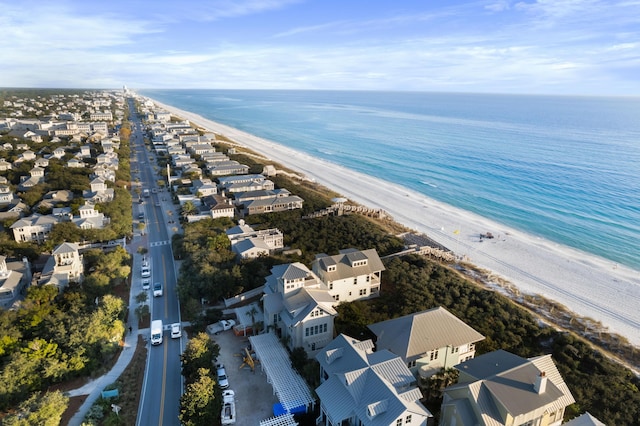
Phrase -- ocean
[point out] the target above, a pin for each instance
(566, 169)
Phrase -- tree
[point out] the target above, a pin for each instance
(42, 410)
(198, 403)
(200, 352)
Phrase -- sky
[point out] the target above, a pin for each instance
(567, 47)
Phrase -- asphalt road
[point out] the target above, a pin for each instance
(159, 403)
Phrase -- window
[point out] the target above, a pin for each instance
(411, 364)
(355, 281)
(434, 355)
(408, 418)
(399, 422)
(336, 297)
(455, 350)
(325, 327)
(363, 292)
(330, 285)
(368, 278)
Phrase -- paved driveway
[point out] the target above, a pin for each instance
(254, 396)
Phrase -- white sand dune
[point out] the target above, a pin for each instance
(588, 285)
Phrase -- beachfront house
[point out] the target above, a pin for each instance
(249, 243)
(298, 307)
(257, 202)
(500, 388)
(350, 275)
(363, 387)
(427, 341)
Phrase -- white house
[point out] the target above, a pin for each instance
(298, 307)
(501, 388)
(350, 275)
(363, 387)
(64, 266)
(427, 341)
(33, 228)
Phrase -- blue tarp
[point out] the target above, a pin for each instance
(278, 409)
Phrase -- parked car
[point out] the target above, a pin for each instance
(228, 414)
(222, 377)
(176, 330)
(146, 283)
(222, 325)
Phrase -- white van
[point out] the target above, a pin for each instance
(156, 332)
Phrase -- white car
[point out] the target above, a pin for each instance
(146, 283)
(157, 289)
(176, 330)
(222, 377)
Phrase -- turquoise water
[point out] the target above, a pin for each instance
(563, 168)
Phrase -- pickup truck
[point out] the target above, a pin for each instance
(222, 325)
(228, 414)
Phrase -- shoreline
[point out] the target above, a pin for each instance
(587, 285)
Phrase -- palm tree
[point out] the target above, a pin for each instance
(253, 312)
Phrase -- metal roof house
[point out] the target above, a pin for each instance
(363, 387)
(350, 275)
(427, 341)
(500, 388)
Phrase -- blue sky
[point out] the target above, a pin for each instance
(584, 47)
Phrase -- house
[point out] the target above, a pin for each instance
(225, 168)
(363, 387)
(204, 187)
(6, 195)
(15, 277)
(64, 266)
(278, 200)
(250, 248)
(501, 388)
(219, 206)
(5, 165)
(41, 162)
(271, 239)
(34, 228)
(427, 341)
(90, 218)
(75, 163)
(350, 275)
(298, 307)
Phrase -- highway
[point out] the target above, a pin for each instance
(162, 387)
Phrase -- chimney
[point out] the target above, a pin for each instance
(540, 386)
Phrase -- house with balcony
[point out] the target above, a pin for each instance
(350, 275)
(427, 341)
(90, 218)
(363, 387)
(34, 228)
(248, 243)
(298, 307)
(64, 266)
(15, 277)
(501, 388)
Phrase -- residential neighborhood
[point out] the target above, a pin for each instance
(219, 249)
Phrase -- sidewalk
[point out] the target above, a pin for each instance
(94, 388)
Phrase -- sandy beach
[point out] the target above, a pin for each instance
(587, 285)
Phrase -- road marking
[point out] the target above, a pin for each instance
(159, 243)
(164, 384)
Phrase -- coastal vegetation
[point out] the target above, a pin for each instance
(410, 284)
(200, 403)
(54, 337)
